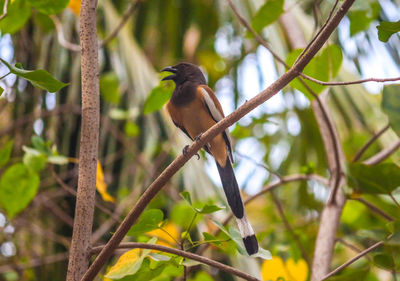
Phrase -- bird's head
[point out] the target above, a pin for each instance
(183, 72)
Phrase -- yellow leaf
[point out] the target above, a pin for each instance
(75, 6)
(101, 186)
(299, 270)
(290, 271)
(126, 260)
(163, 238)
(273, 269)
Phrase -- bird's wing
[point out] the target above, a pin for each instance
(215, 110)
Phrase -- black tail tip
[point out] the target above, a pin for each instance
(251, 244)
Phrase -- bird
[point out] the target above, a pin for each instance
(194, 108)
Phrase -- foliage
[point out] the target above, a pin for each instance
(387, 29)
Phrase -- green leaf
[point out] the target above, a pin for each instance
(208, 209)
(34, 162)
(323, 67)
(383, 260)
(40, 144)
(376, 179)
(18, 186)
(156, 99)
(18, 13)
(1, 91)
(39, 78)
(109, 87)
(148, 221)
(391, 105)
(180, 214)
(202, 276)
(131, 129)
(267, 14)
(5, 152)
(386, 29)
(186, 195)
(359, 21)
(211, 238)
(49, 7)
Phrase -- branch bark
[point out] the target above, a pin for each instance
(192, 256)
(156, 186)
(80, 244)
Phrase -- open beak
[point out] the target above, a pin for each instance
(169, 69)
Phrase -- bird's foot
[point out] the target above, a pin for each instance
(198, 137)
(184, 152)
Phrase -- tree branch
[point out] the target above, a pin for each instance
(360, 255)
(290, 229)
(368, 143)
(296, 40)
(156, 186)
(84, 210)
(5, 9)
(132, 7)
(61, 38)
(379, 157)
(344, 83)
(189, 255)
(375, 209)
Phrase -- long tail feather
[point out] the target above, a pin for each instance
(234, 198)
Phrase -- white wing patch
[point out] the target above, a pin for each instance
(217, 116)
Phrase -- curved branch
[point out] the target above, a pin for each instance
(157, 185)
(5, 9)
(346, 264)
(379, 157)
(189, 255)
(61, 38)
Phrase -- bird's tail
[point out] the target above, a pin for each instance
(232, 193)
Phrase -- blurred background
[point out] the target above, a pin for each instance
(137, 139)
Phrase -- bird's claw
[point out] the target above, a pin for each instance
(184, 152)
(198, 137)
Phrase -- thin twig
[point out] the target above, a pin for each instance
(368, 143)
(344, 83)
(346, 264)
(244, 109)
(61, 38)
(394, 200)
(189, 255)
(5, 9)
(374, 208)
(268, 169)
(290, 229)
(379, 157)
(134, 4)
